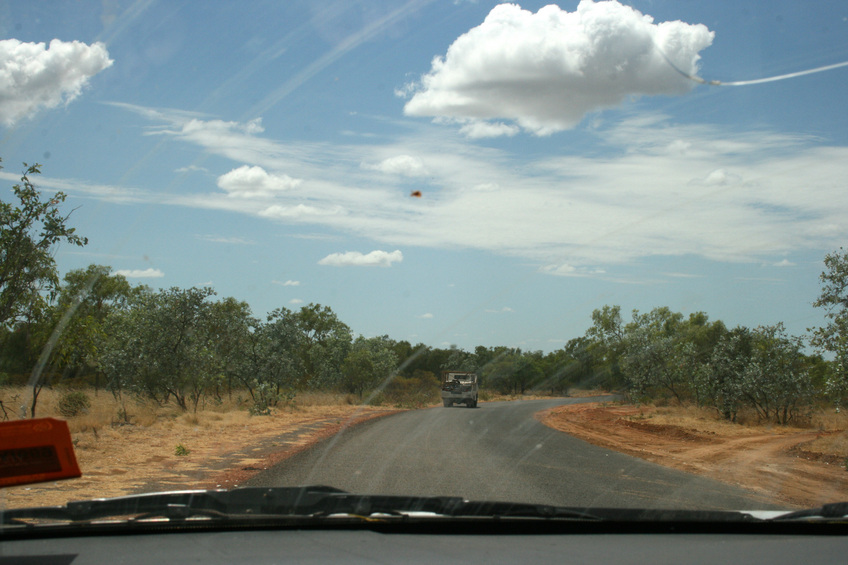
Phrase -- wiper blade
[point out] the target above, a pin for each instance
(180, 505)
(311, 501)
(832, 511)
(323, 502)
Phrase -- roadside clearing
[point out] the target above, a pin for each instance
(778, 462)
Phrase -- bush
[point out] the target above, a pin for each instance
(411, 392)
(73, 404)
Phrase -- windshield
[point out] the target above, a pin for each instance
(584, 254)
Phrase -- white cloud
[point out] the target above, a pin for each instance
(427, 316)
(690, 189)
(254, 182)
(295, 301)
(191, 169)
(401, 165)
(299, 211)
(231, 240)
(546, 71)
(477, 129)
(288, 283)
(356, 259)
(784, 263)
(140, 274)
(682, 275)
(718, 177)
(35, 76)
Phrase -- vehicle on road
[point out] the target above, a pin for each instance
(459, 388)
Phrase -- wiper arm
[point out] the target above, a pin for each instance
(181, 505)
(311, 501)
(832, 511)
(320, 502)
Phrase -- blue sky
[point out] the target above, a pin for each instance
(271, 149)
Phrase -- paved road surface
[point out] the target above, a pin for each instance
(498, 451)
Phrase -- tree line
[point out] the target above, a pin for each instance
(189, 347)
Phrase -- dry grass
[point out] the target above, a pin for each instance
(492, 396)
(833, 425)
(118, 458)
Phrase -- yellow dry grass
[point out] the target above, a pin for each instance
(832, 424)
(117, 458)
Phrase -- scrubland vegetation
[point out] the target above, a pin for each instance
(186, 350)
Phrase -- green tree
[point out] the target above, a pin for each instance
(722, 383)
(85, 300)
(606, 345)
(459, 360)
(776, 381)
(370, 362)
(231, 332)
(163, 347)
(653, 354)
(314, 341)
(71, 332)
(30, 229)
(832, 338)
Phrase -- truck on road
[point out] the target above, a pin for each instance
(459, 387)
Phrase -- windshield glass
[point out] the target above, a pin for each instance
(585, 254)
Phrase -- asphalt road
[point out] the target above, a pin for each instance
(497, 451)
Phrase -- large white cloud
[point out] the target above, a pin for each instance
(546, 71)
(356, 259)
(34, 76)
(254, 182)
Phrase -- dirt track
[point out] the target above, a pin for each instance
(772, 461)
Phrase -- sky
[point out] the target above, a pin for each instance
(445, 172)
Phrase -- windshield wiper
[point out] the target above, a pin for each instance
(832, 511)
(311, 501)
(323, 504)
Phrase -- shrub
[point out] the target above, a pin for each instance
(73, 404)
(181, 450)
(411, 392)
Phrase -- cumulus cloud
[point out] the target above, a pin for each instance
(140, 274)
(356, 259)
(401, 165)
(35, 76)
(546, 71)
(254, 182)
